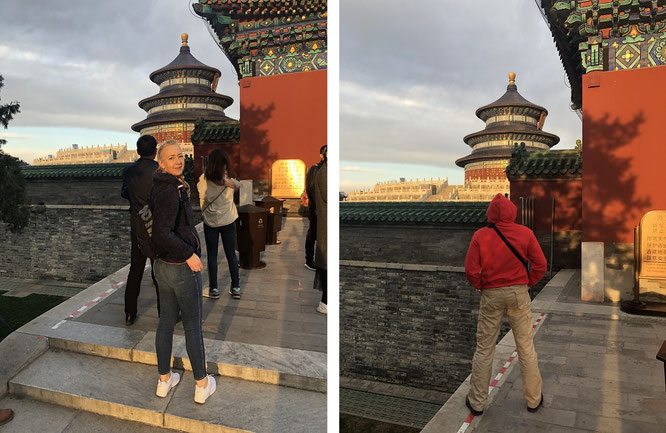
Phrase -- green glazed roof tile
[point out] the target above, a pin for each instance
(550, 164)
(74, 171)
(414, 213)
(216, 131)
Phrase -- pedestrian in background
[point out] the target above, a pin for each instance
(311, 236)
(216, 195)
(321, 256)
(498, 264)
(137, 184)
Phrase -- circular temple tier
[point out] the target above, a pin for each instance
(509, 120)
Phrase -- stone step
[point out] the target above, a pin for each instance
(126, 390)
(295, 368)
(35, 416)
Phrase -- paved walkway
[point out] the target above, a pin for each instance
(277, 308)
(598, 366)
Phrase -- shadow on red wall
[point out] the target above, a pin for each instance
(612, 201)
(255, 159)
(567, 212)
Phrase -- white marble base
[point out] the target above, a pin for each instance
(592, 271)
(245, 193)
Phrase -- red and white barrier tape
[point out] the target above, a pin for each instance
(91, 303)
(541, 317)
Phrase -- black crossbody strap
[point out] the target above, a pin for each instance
(513, 250)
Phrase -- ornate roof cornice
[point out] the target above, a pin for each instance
(269, 37)
(606, 35)
(552, 164)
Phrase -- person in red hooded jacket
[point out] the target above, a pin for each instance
(503, 280)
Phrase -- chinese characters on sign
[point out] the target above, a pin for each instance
(653, 245)
(287, 178)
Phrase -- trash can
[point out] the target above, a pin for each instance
(274, 207)
(251, 228)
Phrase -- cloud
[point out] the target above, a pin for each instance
(86, 64)
(412, 78)
(357, 169)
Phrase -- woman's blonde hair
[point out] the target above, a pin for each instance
(165, 144)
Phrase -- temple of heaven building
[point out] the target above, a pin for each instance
(510, 120)
(187, 93)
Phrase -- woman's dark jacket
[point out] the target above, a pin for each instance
(173, 223)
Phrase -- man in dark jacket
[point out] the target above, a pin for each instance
(311, 237)
(137, 185)
(503, 280)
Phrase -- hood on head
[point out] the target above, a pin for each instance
(501, 210)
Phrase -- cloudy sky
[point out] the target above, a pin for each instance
(79, 67)
(412, 74)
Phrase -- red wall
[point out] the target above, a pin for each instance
(624, 151)
(282, 117)
(568, 202)
(202, 150)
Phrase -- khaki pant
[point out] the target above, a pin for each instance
(515, 300)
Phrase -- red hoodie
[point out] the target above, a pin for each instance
(490, 263)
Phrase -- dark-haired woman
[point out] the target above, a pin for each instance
(178, 272)
(216, 195)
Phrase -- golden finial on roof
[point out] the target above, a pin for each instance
(512, 78)
(184, 38)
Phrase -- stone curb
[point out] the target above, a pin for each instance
(403, 266)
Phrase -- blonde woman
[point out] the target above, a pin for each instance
(216, 194)
(178, 272)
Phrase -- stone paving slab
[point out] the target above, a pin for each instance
(99, 385)
(599, 370)
(91, 339)
(277, 308)
(266, 364)
(17, 351)
(36, 416)
(126, 390)
(246, 406)
(275, 365)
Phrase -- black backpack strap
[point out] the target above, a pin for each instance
(513, 250)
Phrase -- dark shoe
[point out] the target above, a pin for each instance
(6, 415)
(212, 293)
(471, 409)
(235, 292)
(534, 409)
(129, 319)
(310, 266)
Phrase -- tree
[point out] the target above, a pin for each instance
(13, 208)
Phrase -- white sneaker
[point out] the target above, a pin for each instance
(322, 308)
(164, 387)
(201, 394)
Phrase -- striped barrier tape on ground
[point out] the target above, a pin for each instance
(540, 318)
(91, 303)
